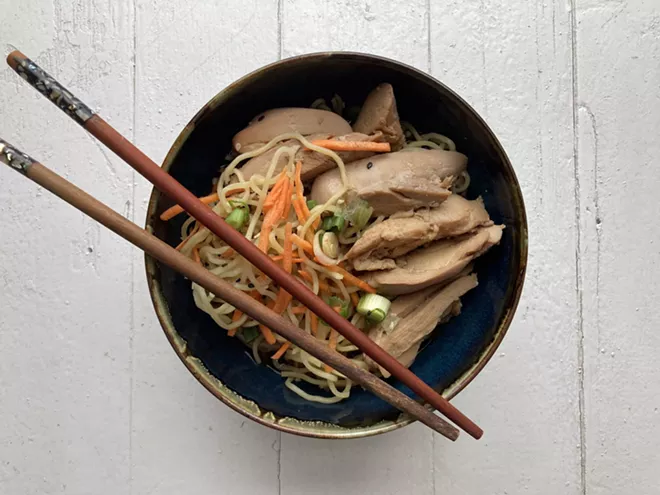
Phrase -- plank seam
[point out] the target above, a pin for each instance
(131, 308)
(578, 248)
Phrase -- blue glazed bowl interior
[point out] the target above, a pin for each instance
(454, 347)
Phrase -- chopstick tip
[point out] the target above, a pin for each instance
(14, 58)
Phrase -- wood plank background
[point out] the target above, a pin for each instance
(92, 398)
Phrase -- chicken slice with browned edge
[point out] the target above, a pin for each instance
(313, 163)
(434, 264)
(397, 181)
(379, 114)
(394, 237)
(306, 121)
(418, 314)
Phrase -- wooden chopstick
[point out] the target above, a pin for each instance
(166, 254)
(121, 146)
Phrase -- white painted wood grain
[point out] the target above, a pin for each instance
(618, 112)
(395, 29)
(184, 440)
(512, 61)
(65, 298)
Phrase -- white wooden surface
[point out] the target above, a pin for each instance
(92, 398)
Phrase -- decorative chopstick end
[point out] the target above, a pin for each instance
(40, 80)
(16, 159)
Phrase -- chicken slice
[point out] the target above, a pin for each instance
(435, 263)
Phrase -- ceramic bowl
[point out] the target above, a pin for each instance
(456, 352)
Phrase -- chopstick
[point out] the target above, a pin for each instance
(105, 133)
(166, 254)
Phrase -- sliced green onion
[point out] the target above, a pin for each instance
(311, 204)
(335, 223)
(238, 217)
(374, 307)
(330, 245)
(249, 334)
(358, 212)
(345, 310)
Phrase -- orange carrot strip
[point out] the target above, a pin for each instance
(303, 244)
(306, 276)
(287, 256)
(280, 352)
(196, 256)
(355, 299)
(300, 212)
(192, 233)
(333, 339)
(238, 313)
(176, 209)
(234, 318)
(335, 145)
(268, 334)
(273, 215)
(315, 324)
(228, 254)
(299, 310)
(286, 198)
(298, 180)
(352, 279)
(275, 192)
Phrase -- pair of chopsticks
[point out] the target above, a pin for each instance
(105, 133)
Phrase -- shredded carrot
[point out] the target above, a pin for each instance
(300, 205)
(175, 210)
(303, 244)
(306, 276)
(332, 341)
(238, 313)
(275, 192)
(281, 302)
(280, 352)
(274, 214)
(355, 298)
(298, 310)
(315, 324)
(298, 180)
(196, 256)
(335, 145)
(287, 260)
(279, 257)
(228, 254)
(265, 331)
(300, 212)
(192, 233)
(351, 279)
(286, 198)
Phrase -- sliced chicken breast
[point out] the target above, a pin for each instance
(271, 123)
(397, 181)
(379, 114)
(395, 237)
(435, 263)
(419, 314)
